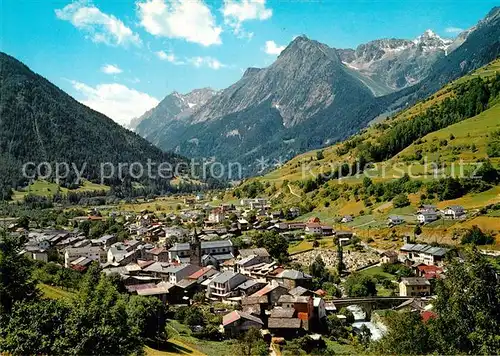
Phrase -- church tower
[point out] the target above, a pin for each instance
(195, 250)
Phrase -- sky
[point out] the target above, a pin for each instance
(121, 57)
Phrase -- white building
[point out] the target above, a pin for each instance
(346, 219)
(94, 253)
(395, 220)
(427, 217)
(216, 216)
(454, 212)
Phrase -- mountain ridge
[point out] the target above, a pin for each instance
(41, 123)
(313, 94)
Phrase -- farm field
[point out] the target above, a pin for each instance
(47, 189)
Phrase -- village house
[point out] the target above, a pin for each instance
(429, 272)
(224, 285)
(35, 253)
(222, 250)
(394, 220)
(237, 322)
(105, 241)
(423, 208)
(272, 291)
(414, 287)
(300, 291)
(292, 278)
(425, 217)
(251, 286)
(389, 257)
(420, 253)
(178, 272)
(216, 216)
(318, 229)
(454, 212)
(159, 254)
(124, 252)
(346, 219)
(203, 274)
(94, 253)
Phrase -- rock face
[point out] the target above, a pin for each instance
(174, 106)
(303, 81)
(314, 95)
(395, 64)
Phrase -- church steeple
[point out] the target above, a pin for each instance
(195, 249)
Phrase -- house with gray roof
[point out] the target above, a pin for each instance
(221, 250)
(291, 278)
(421, 253)
(225, 285)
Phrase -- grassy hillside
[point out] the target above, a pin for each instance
(309, 164)
(452, 148)
(47, 189)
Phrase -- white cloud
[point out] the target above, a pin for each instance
(115, 100)
(196, 61)
(273, 48)
(206, 62)
(111, 69)
(100, 27)
(455, 30)
(236, 12)
(190, 20)
(169, 57)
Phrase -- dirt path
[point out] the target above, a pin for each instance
(293, 193)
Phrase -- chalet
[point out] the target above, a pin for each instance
(414, 286)
(237, 322)
(346, 219)
(395, 220)
(160, 291)
(259, 251)
(424, 208)
(454, 212)
(183, 291)
(425, 217)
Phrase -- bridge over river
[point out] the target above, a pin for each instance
(368, 304)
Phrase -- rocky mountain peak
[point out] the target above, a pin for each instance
(251, 71)
(430, 39)
(302, 47)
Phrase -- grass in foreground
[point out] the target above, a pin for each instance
(52, 292)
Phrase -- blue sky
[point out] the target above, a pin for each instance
(120, 57)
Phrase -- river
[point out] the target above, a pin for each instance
(359, 317)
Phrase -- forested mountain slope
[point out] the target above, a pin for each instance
(41, 123)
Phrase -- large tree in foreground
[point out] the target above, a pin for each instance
(468, 305)
(468, 314)
(16, 283)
